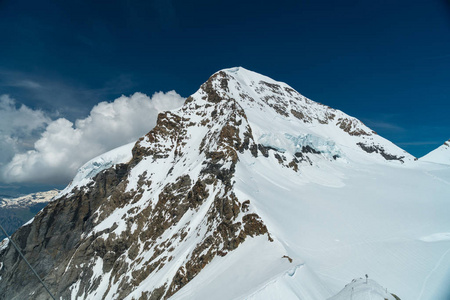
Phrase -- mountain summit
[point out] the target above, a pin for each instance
(440, 155)
(279, 115)
(248, 191)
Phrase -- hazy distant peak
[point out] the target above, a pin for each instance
(440, 155)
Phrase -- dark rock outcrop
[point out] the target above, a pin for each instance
(381, 151)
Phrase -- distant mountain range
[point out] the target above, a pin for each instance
(248, 191)
(14, 212)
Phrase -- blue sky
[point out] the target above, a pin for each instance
(384, 62)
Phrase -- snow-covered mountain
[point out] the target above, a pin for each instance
(249, 191)
(28, 200)
(441, 155)
(16, 211)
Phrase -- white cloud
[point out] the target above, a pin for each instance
(64, 146)
(19, 127)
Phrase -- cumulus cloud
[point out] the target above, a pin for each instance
(19, 127)
(64, 146)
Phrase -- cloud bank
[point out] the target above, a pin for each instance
(64, 146)
(18, 127)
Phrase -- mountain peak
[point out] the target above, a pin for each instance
(440, 155)
(243, 74)
(275, 108)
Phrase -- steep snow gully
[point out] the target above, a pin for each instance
(248, 191)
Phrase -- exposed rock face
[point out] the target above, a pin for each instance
(145, 228)
(50, 242)
(348, 126)
(381, 151)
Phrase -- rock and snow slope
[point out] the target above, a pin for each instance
(89, 170)
(249, 191)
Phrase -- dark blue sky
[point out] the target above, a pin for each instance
(384, 62)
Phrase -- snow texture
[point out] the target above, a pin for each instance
(362, 289)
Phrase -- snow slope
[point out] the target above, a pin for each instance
(441, 155)
(360, 289)
(374, 221)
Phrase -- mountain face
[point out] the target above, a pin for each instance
(14, 212)
(250, 190)
(441, 155)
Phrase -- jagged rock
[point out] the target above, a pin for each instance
(381, 151)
